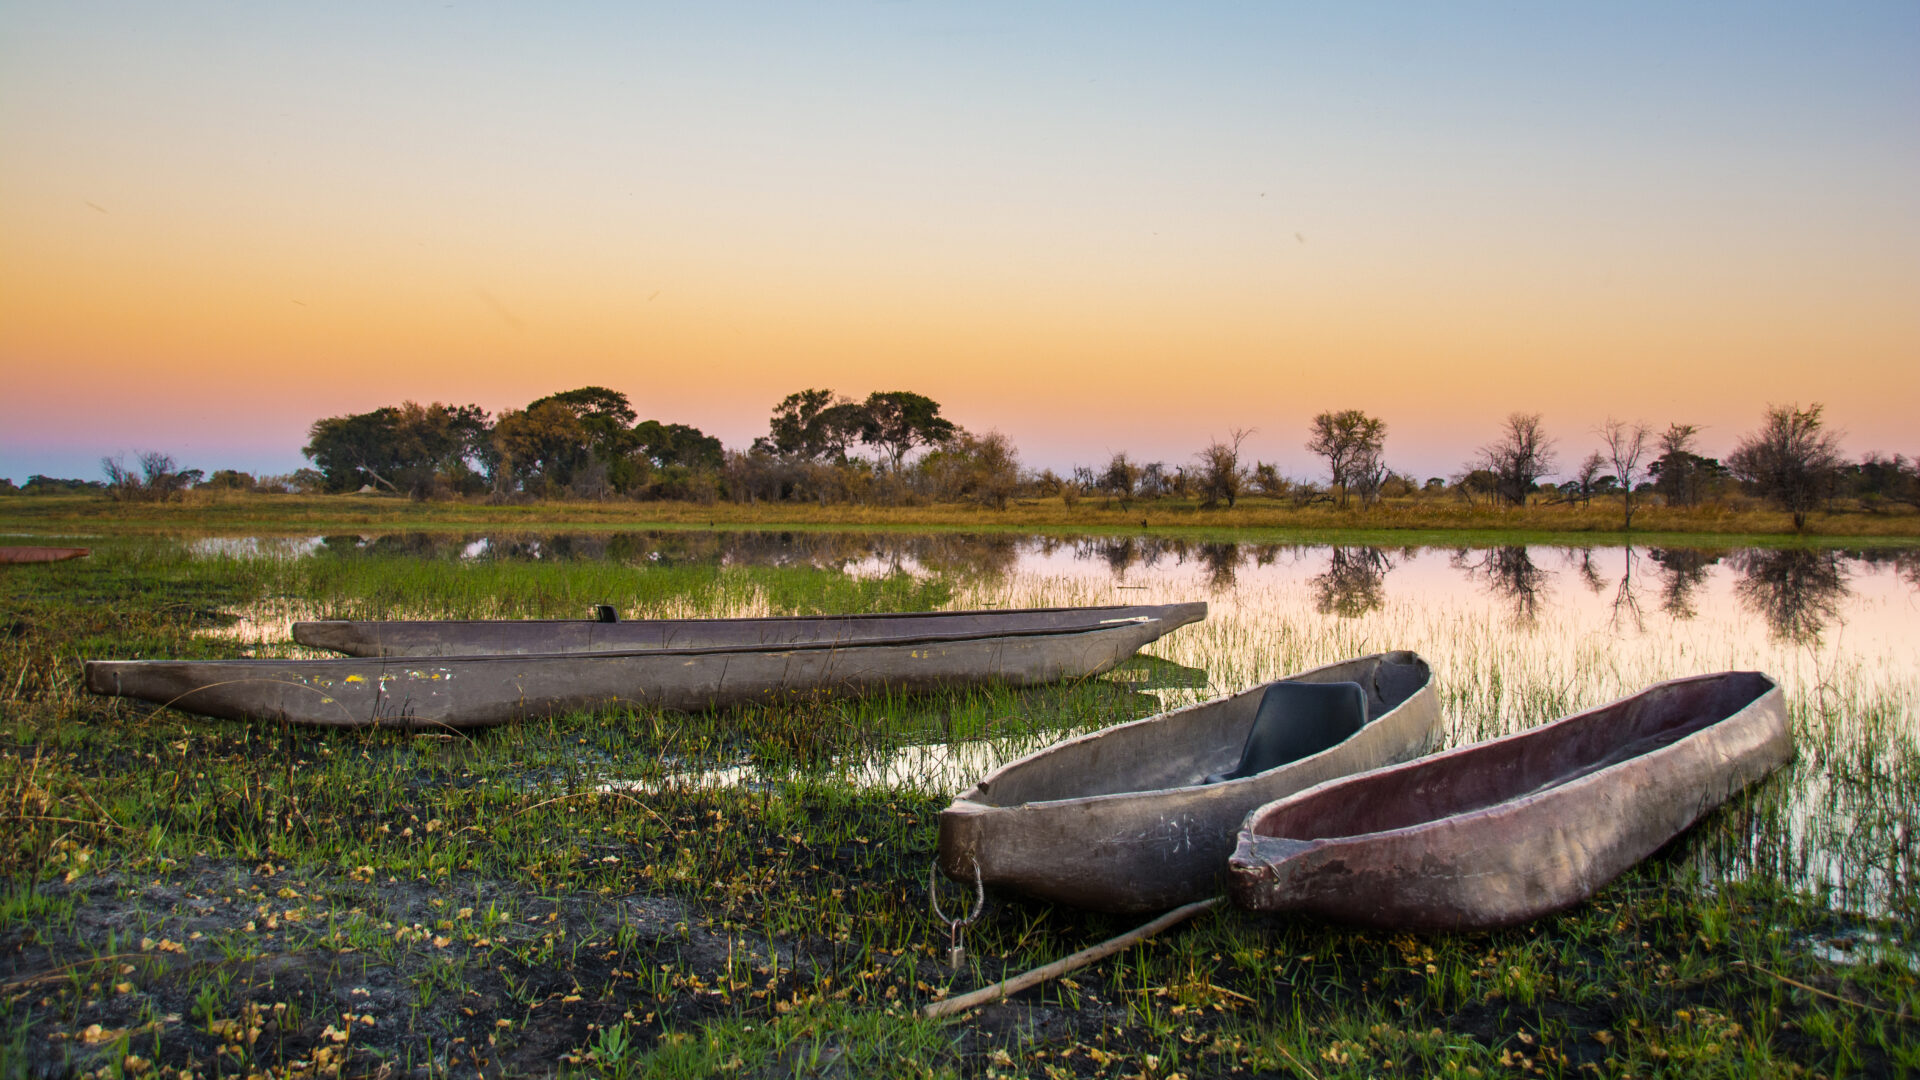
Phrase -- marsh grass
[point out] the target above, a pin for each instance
(1739, 521)
(224, 898)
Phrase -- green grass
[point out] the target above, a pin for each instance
(216, 895)
(1736, 520)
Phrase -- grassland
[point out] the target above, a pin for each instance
(1435, 520)
(186, 896)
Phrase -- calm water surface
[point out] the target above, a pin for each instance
(1517, 635)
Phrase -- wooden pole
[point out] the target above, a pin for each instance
(1058, 968)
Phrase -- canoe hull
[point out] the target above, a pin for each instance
(1540, 850)
(499, 637)
(14, 556)
(462, 692)
(1165, 843)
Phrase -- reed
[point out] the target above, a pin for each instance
(647, 893)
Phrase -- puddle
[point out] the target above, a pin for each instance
(942, 768)
(1863, 948)
(256, 547)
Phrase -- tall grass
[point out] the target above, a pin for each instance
(229, 512)
(797, 935)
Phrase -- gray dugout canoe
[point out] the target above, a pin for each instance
(1513, 828)
(479, 691)
(496, 637)
(1122, 819)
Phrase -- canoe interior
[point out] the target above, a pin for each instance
(1507, 769)
(878, 616)
(456, 637)
(1181, 748)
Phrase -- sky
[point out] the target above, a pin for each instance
(1092, 227)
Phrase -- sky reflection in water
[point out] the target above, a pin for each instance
(1517, 636)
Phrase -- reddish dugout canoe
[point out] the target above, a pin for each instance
(18, 555)
(1514, 828)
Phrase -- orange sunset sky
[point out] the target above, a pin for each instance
(1093, 227)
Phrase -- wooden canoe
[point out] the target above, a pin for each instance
(17, 555)
(498, 637)
(478, 691)
(1124, 819)
(1513, 828)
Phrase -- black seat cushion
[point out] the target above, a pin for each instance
(1298, 720)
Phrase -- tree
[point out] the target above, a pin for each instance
(1120, 478)
(666, 445)
(1626, 444)
(407, 449)
(159, 478)
(1585, 479)
(1352, 442)
(540, 446)
(1220, 474)
(981, 468)
(897, 421)
(229, 480)
(814, 425)
(1269, 482)
(1518, 458)
(1791, 460)
(1880, 479)
(585, 441)
(790, 426)
(1681, 476)
(606, 455)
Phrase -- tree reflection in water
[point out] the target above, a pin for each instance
(1905, 562)
(1682, 572)
(1354, 583)
(1797, 591)
(1581, 559)
(1626, 602)
(1221, 560)
(1509, 572)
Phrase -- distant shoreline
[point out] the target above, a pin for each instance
(1410, 522)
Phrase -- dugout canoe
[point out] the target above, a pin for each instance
(479, 691)
(1126, 820)
(498, 637)
(1510, 829)
(13, 556)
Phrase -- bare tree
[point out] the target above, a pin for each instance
(1221, 477)
(1518, 458)
(1791, 459)
(1587, 477)
(158, 480)
(1120, 478)
(1368, 474)
(1626, 445)
(1154, 481)
(1350, 440)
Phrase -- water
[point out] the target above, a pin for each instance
(1517, 635)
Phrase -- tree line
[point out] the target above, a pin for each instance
(895, 447)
